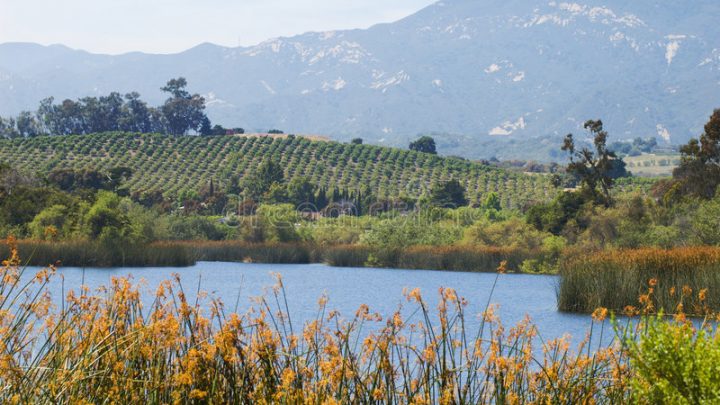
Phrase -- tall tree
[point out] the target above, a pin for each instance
(27, 125)
(183, 112)
(699, 170)
(595, 170)
(205, 127)
(7, 128)
(135, 115)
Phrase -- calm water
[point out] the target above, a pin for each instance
(348, 288)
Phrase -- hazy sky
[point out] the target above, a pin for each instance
(166, 26)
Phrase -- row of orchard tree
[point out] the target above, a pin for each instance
(181, 113)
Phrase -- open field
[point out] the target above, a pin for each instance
(652, 165)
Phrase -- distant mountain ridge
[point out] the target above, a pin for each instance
(526, 70)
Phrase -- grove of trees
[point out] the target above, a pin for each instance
(181, 113)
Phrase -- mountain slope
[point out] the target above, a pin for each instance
(520, 68)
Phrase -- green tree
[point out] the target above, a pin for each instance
(218, 130)
(205, 127)
(699, 170)
(492, 202)
(276, 194)
(706, 222)
(7, 128)
(357, 141)
(424, 144)
(27, 125)
(136, 115)
(300, 191)
(258, 184)
(183, 112)
(552, 217)
(104, 219)
(595, 170)
(53, 218)
(450, 194)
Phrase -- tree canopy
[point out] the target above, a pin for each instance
(424, 144)
(596, 170)
(450, 194)
(181, 113)
(699, 170)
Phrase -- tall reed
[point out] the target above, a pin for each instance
(236, 251)
(619, 278)
(461, 258)
(345, 255)
(84, 253)
(107, 348)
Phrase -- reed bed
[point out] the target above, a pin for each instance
(104, 347)
(617, 279)
(345, 255)
(461, 258)
(235, 251)
(83, 253)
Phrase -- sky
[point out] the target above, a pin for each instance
(168, 26)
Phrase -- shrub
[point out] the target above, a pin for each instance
(674, 363)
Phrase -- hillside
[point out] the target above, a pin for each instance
(180, 165)
(479, 71)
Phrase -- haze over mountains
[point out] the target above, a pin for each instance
(527, 70)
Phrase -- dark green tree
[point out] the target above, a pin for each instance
(596, 170)
(357, 141)
(450, 194)
(136, 115)
(258, 184)
(424, 144)
(699, 170)
(218, 130)
(183, 112)
(300, 191)
(206, 127)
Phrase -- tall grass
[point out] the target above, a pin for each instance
(345, 255)
(83, 253)
(461, 258)
(618, 278)
(235, 251)
(107, 348)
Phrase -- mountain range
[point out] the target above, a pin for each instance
(475, 73)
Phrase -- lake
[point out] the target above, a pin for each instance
(517, 295)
